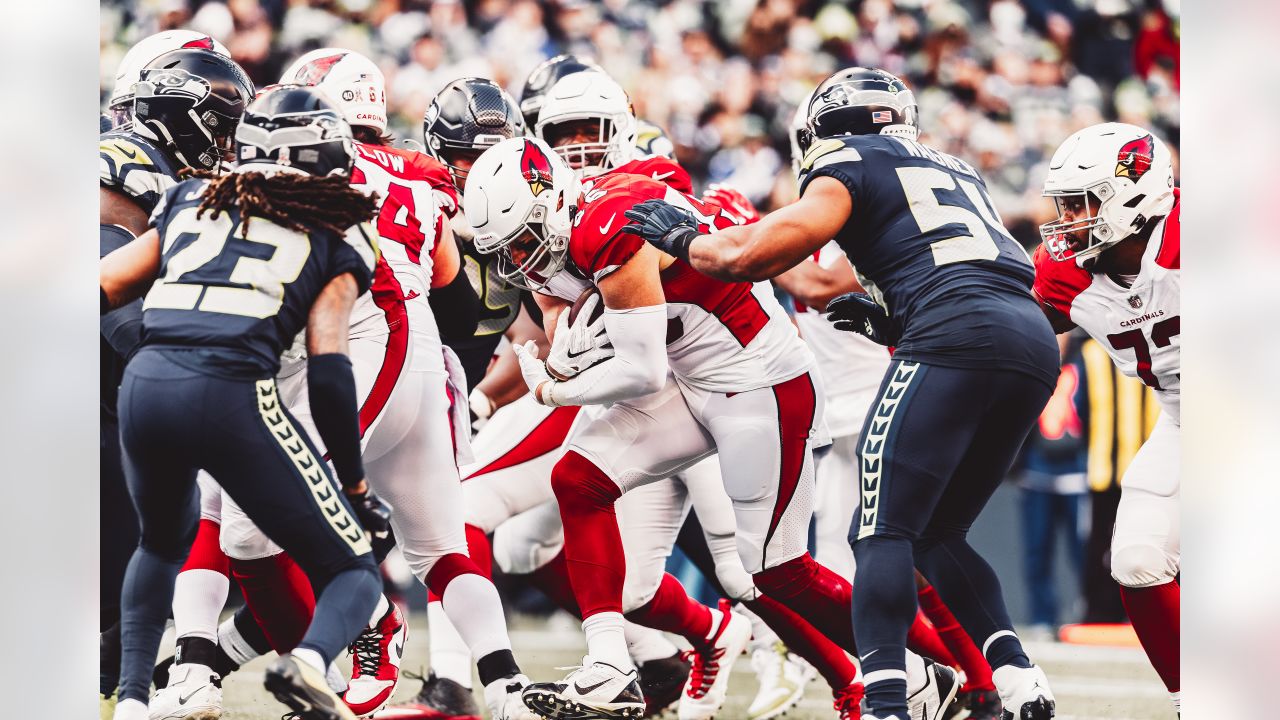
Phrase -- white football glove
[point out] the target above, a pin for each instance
(534, 370)
(581, 345)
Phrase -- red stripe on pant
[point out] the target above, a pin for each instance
(797, 404)
(392, 362)
(545, 437)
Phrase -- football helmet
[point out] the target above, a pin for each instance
(546, 75)
(191, 101)
(1107, 181)
(296, 127)
(521, 199)
(590, 102)
(799, 135)
(863, 101)
(465, 118)
(351, 80)
(120, 105)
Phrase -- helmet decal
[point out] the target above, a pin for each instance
(315, 71)
(1134, 159)
(535, 167)
(205, 43)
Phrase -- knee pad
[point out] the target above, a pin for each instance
(579, 485)
(1142, 565)
(244, 541)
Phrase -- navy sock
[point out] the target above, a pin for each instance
(343, 609)
(970, 588)
(145, 602)
(884, 606)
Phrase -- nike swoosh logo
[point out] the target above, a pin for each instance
(863, 658)
(663, 176)
(573, 354)
(584, 690)
(182, 700)
(605, 227)
(131, 154)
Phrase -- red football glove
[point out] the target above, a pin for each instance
(733, 201)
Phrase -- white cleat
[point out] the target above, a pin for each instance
(194, 692)
(1024, 692)
(504, 699)
(708, 683)
(594, 690)
(782, 678)
(932, 700)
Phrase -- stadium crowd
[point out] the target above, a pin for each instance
(999, 82)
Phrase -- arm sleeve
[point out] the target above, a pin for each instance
(638, 366)
(331, 387)
(122, 327)
(456, 307)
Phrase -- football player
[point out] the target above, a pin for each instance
(1111, 264)
(120, 103)
(190, 102)
(975, 361)
(210, 336)
(543, 77)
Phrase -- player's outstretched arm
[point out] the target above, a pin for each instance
(127, 273)
(815, 285)
(752, 252)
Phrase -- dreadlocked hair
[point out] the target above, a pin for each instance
(303, 203)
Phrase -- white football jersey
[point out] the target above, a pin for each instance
(1139, 325)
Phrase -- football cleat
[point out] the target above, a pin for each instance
(662, 682)
(505, 700)
(106, 706)
(1024, 692)
(439, 699)
(375, 663)
(931, 701)
(981, 704)
(304, 690)
(193, 692)
(593, 690)
(781, 677)
(848, 701)
(708, 683)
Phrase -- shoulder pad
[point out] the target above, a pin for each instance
(1058, 283)
(135, 166)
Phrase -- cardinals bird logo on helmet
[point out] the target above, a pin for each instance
(1134, 159)
(313, 72)
(535, 167)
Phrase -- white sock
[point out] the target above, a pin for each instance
(450, 658)
(233, 643)
(198, 597)
(645, 643)
(310, 657)
(606, 640)
(916, 675)
(380, 610)
(130, 710)
(336, 679)
(1177, 700)
(473, 605)
(762, 636)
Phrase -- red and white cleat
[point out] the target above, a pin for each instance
(375, 663)
(708, 683)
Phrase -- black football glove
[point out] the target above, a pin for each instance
(374, 517)
(857, 312)
(664, 226)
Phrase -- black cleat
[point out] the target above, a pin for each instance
(304, 690)
(662, 681)
(440, 699)
(594, 691)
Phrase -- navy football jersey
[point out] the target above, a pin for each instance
(136, 166)
(928, 244)
(241, 296)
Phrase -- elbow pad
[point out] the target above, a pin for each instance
(456, 307)
(638, 366)
(331, 387)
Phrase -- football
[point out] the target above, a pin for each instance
(596, 312)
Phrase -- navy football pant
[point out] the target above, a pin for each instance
(117, 539)
(934, 448)
(175, 421)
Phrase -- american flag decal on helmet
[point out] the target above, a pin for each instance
(1134, 159)
(535, 167)
(881, 116)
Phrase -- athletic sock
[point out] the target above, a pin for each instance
(310, 657)
(553, 580)
(1154, 612)
(592, 542)
(762, 636)
(672, 610)
(815, 593)
(450, 657)
(379, 610)
(645, 644)
(883, 610)
(923, 639)
(976, 670)
(606, 641)
(200, 591)
(472, 603)
(279, 595)
(803, 639)
(240, 640)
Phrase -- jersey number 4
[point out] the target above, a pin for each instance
(921, 185)
(261, 281)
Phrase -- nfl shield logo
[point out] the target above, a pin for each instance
(1135, 302)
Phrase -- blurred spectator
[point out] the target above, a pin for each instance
(1001, 82)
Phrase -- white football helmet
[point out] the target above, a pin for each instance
(799, 134)
(120, 106)
(350, 79)
(589, 96)
(1107, 180)
(520, 199)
